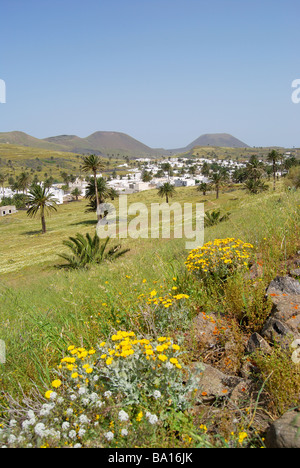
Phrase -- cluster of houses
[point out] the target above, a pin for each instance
(7, 192)
(134, 181)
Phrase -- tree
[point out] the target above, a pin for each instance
(48, 182)
(76, 193)
(255, 186)
(203, 187)
(166, 190)
(217, 180)
(86, 250)
(3, 178)
(146, 176)
(214, 217)
(254, 168)
(104, 192)
(274, 157)
(23, 182)
(40, 200)
(94, 164)
(205, 170)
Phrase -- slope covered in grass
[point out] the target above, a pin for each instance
(44, 310)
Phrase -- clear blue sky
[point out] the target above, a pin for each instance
(163, 71)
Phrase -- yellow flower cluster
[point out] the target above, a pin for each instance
(166, 301)
(80, 362)
(220, 253)
(71, 362)
(127, 344)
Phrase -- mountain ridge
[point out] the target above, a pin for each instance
(110, 142)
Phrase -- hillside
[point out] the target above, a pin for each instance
(185, 342)
(98, 143)
(103, 143)
(222, 140)
(23, 139)
(114, 143)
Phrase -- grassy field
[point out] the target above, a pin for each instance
(236, 154)
(15, 159)
(44, 310)
(23, 246)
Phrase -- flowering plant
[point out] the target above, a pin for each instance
(219, 258)
(117, 391)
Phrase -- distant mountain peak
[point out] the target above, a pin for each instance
(224, 140)
(218, 139)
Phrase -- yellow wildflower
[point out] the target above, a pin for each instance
(56, 383)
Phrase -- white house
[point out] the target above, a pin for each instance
(7, 210)
(184, 182)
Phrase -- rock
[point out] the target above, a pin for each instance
(294, 323)
(255, 342)
(284, 284)
(285, 307)
(256, 271)
(214, 384)
(285, 432)
(276, 331)
(204, 330)
(248, 369)
(295, 272)
(284, 293)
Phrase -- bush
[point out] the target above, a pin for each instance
(292, 180)
(220, 258)
(87, 250)
(127, 391)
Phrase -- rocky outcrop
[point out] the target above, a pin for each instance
(215, 385)
(281, 328)
(285, 431)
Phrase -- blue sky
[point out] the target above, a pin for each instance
(162, 71)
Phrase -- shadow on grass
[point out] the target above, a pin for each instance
(88, 222)
(35, 233)
(31, 233)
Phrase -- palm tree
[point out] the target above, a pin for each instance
(87, 250)
(41, 201)
(203, 187)
(23, 181)
(254, 168)
(214, 217)
(255, 186)
(104, 192)
(273, 157)
(166, 190)
(205, 170)
(3, 178)
(48, 182)
(217, 179)
(76, 193)
(94, 164)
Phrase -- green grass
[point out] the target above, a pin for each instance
(38, 161)
(43, 310)
(238, 154)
